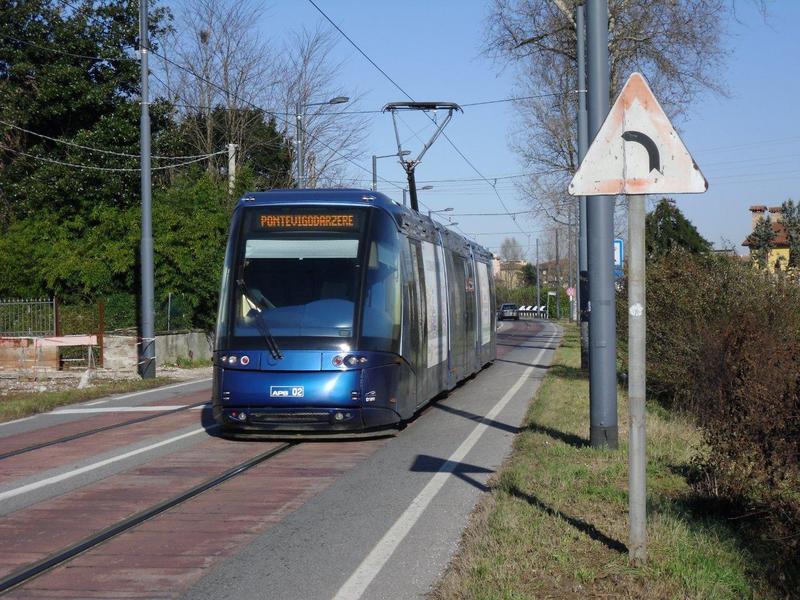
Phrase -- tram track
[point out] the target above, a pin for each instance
(83, 434)
(29, 572)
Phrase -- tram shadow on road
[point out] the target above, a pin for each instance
(475, 417)
(424, 463)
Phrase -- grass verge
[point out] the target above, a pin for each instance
(555, 522)
(17, 405)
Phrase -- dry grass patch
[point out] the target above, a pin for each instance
(22, 404)
(555, 522)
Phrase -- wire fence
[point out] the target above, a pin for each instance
(27, 318)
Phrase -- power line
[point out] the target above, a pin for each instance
(100, 150)
(374, 64)
(516, 99)
(72, 54)
(107, 169)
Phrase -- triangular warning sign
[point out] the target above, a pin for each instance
(637, 151)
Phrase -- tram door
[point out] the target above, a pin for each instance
(472, 316)
(417, 335)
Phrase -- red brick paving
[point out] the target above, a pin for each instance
(164, 556)
(66, 453)
(92, 421)
(53, 524)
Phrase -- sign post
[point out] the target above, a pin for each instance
(637, 152)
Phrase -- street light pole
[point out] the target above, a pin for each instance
(147, 353)
(441, 210)
(375, 167)
(299, 110)
(299, 144)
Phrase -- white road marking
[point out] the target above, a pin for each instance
(113, 409)
(201, 407)
(18, 420)
(369, 568)
(81, 470)
(96, 402)
(159, 389)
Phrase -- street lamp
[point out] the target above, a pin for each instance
(375, 166)
(441, 210)
(300, 141)
(424, 187)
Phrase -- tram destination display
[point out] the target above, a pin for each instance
(306, 221)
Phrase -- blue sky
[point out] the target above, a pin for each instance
(746, 144)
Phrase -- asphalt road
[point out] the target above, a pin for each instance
(388, 528)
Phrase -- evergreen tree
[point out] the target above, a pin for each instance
(791, 221)
(71, 74)
(528, 275)
(762, 240)
(666, 229)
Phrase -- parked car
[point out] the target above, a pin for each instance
(508, 311)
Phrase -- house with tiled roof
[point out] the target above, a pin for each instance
(778, 258)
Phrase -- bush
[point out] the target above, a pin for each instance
(724, 346)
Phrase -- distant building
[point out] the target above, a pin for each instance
(508, 272)
(778, 258)
(551, 275)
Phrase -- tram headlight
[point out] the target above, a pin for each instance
(232, 360)
(351, 361)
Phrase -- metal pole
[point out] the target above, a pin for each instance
(558, 281)
(101, 331)
(405, 201)
(637, 460)
(147, 363)
(569, 257)
(583, 146)
(374, 173)
(231, 168)
(169, 310)
(538, 277)
(412, 189)
(299, 142)
(600, 236)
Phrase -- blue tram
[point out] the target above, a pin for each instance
(342, 311)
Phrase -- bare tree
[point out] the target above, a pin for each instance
(677, 44)
(237, 70)
(511, 249)
(333, 133)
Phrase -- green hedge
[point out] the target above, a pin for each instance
(723, 344)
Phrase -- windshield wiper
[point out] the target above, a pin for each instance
(261, 323)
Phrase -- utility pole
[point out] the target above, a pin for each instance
(558, 280)
(538, 277)
(299, 144)
(603, 430)
(147, 354)
(583, 145)
(231, 168)
(569, 258)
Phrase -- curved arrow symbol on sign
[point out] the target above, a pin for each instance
(649, 145)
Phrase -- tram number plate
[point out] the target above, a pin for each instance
(286, 391)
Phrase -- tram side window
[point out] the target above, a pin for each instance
(380, 328)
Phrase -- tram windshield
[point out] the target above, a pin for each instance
(297, 272)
